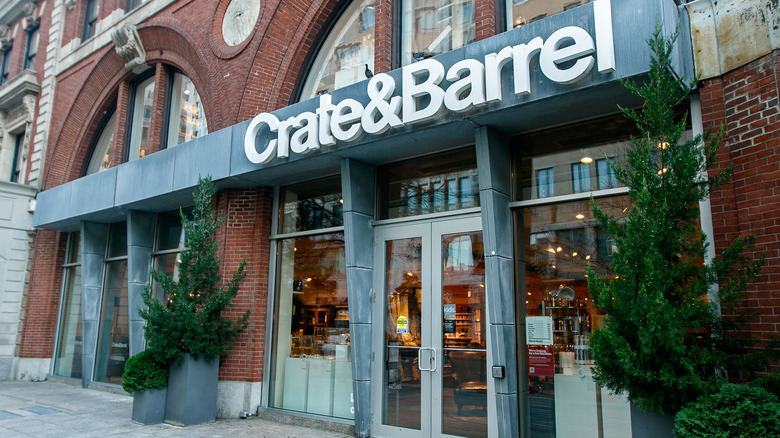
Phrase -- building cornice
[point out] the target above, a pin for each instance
(11, 10)
(12, 93)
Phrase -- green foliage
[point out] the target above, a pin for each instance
(144, 373)
(736, 411)
(191, 321)
(663, 341)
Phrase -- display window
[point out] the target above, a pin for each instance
(68, 356)
(114, 329)
(311, 361)
(168, 245)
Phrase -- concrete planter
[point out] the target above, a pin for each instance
(192, 392)
(650, 425)
(149, 406)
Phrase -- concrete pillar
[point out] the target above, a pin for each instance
(358, 192)
(494, 167)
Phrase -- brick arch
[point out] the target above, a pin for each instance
(282, 53)
(84, 115)
(167, 40)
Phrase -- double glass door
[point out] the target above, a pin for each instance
(430, 341)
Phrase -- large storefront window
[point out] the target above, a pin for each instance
(433, 27)
(168, 244)
(433, 184)
(347, 55)
(522, 12)
(187, 119)
(114, 329)
(311, 362)
(69, 343)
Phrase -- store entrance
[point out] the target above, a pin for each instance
(430, 344)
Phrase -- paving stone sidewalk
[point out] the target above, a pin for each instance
(51, 409)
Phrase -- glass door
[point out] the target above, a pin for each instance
(430, 343)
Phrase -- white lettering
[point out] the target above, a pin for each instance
(553, 54)
(415, 92)
(264, 119)
(473, 83)
(304, 140)
(605, 46)
(347, 112)
(380, 88)
(324, 112)
(521, 58)
(494, 63)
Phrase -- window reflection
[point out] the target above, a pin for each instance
(347, 56)
(187, 120)
(69, 345)
(527, 11)
(101, 155)
(142, 119)
(312, 369)
(432, 27)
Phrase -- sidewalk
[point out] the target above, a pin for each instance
(49, 409)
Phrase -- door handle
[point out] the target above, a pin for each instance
(431, 361)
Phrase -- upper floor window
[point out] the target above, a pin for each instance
(347, 55)
(91, 18)
(33, 36)
(101, 154)
(580, 175)
(526, 11)
(132, 4)
(544, 183)
(606, 173)
(143, 106)
(187, 120)
(432, 27)
(16, 164)
(5, 65)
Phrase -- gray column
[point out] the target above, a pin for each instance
(358, 192)
(93, 250)
(494, 167)
(140, 242)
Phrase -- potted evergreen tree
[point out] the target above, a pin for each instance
(663, 341)
(186, 328)
(146, 379)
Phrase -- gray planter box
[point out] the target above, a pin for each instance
(149, 406)
(192, 392)
(650, 425)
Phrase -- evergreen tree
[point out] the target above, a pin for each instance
(663, 339)
(190, 320)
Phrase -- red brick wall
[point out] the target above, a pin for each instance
(244, 236)
(745, 103)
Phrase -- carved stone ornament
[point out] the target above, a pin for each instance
(128, 45)
(70, 4)
(30, 20)
(5, 37)
(29, 104)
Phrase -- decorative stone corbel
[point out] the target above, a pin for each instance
(128, 45)
(29, 106)
(30, 20)
(5, 37)
(70, 4)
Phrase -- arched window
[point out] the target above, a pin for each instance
(187, 120)
(101, 154)
(347, 56)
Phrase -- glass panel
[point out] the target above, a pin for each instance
(142, 119)
(113, 334)
(167, 264)
(117, 240)
(567, 172)
(74, 248)
(312, 368)
(605, 173)
(403, 327)
(68, 359)
(526, 11)
(347, 56)
(101, 156)
(464, 373)
(432, 27)
(561, 240)
(170, 234)
(187, 120)
(312, 205)
(432, 184)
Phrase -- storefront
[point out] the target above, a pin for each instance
(429, 235)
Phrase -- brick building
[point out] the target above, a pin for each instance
(409, 183)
